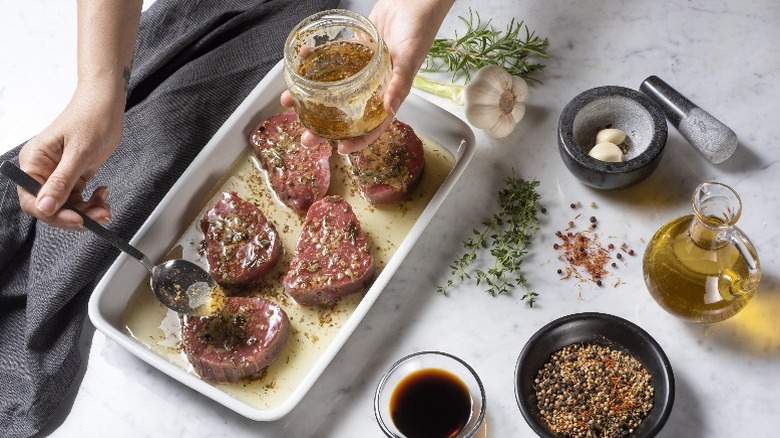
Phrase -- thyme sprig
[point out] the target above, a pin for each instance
(481, 45)
(508, 234)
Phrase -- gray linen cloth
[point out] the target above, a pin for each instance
(195, 61)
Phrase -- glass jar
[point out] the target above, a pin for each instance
(337, 68)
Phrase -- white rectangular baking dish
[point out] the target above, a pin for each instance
(182, 205)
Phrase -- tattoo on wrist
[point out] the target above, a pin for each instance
(126, 75)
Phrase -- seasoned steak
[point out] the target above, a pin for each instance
(332, 258)
(241, 245)
(391, 167)
(299, 175)
(246, 336)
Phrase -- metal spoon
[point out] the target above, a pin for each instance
(179, 284)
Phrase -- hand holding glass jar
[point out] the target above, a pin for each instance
(347, 76)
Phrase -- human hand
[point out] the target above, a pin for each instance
(68, 153)
(408, 28)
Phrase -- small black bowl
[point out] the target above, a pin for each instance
(607, 330)
(611, 107)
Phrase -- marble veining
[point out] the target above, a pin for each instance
(722, 55)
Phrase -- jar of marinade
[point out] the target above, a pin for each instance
(337, 68)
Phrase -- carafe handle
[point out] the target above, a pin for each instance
(735, 236)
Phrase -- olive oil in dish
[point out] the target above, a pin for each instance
(431, 403)
(314, 328)
(700, 267)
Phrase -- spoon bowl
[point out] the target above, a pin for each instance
(180, 285)
(186, 288)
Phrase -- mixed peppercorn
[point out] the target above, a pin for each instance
(593, 390)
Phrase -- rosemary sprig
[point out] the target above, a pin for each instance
(508, 234)
(482, 45)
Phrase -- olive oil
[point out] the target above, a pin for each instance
(700, 267)
(430, 403)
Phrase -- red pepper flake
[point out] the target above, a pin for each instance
(584, 255)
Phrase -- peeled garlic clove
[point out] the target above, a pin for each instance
(612, 135)
(606, 151)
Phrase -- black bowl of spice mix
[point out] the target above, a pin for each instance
(594, 374)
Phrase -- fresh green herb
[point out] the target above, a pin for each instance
(481, 45)
(508, 234)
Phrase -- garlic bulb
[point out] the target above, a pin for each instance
(495, 100)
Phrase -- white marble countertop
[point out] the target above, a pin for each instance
(722, 54)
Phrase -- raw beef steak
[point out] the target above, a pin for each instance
(391, 167)
(332, 258)
(299, 175)
(239, 342)
(241, 245)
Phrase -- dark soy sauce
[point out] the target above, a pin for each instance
(430, 403)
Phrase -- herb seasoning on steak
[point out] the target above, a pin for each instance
(391, 167)
(241, 245)
(239, 342)
(332, 256)
(298, 175)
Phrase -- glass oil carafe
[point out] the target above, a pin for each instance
(701, 267)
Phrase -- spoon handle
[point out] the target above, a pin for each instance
(27, 182)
